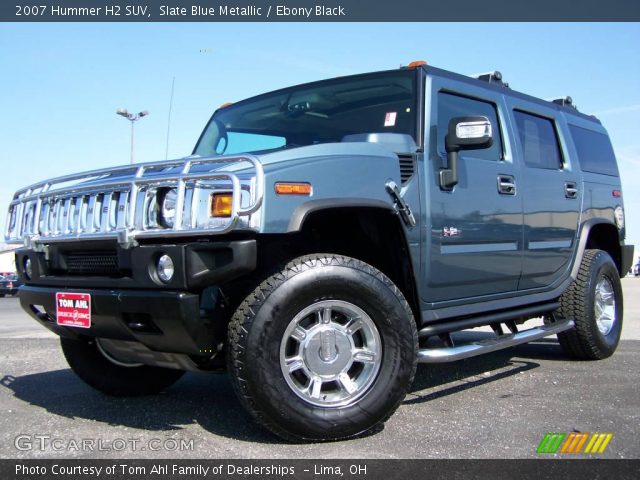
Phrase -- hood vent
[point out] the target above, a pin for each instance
(407, 167)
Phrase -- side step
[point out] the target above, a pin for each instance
(480, 321)
(450, 354)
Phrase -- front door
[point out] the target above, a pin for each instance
(474, 233)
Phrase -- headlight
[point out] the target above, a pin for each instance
(619, 214)
(168, 207)
(161, 208)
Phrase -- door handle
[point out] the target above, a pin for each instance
(571, 190)
(506, 185)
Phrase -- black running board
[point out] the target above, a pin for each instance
(450, 354)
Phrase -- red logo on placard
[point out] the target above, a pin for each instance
(73, 309)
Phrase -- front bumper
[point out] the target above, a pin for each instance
(197, 264)
(162, 321)
(134, 305)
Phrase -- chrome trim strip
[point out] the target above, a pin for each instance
(549, 244)
(478, 248)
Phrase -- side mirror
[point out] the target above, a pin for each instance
(464, 133)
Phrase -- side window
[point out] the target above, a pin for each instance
(450, 106)
(595, 152)
(538, 140)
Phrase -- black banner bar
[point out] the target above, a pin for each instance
(318, 10)
(124, 469)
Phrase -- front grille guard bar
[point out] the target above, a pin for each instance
(32, 226)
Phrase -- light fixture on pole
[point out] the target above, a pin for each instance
(132, 117)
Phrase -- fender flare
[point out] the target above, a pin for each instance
(585, 230)
(302, 211)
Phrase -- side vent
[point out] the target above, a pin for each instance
(407, 167)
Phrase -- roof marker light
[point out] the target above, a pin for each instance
(416, 64)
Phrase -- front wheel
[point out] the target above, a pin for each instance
(594, 302)
(323, 350)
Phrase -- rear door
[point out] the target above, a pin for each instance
(474, 236)
(551, 192)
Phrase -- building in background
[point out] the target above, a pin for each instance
(7, 258)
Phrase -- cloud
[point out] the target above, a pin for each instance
(629, 155)
(617, 110)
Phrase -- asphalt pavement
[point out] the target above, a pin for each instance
(495, 406)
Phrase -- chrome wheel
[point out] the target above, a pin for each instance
(330, 353)
(605, 306)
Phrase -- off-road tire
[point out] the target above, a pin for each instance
(96, 370)
(257, 328)
(585, 341)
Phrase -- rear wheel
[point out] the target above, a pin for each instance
(323, 350)
(103, 371)
(594, 301)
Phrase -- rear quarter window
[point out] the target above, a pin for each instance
(595, 152)
(538, 140)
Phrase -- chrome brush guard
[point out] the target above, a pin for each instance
(114, 203)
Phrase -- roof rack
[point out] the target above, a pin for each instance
(564, 101)
(491, 77)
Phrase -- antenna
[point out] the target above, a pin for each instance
(166, 152)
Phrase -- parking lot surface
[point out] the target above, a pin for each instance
(495, 406)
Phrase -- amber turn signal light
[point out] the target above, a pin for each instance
(221, 204)
(290, 188)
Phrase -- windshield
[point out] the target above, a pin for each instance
(321, 112)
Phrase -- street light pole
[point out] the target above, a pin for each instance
(132, 117)
(131, 156)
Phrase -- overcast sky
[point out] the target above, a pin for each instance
(62, 83)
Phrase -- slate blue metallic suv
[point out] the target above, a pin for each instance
(325, 238)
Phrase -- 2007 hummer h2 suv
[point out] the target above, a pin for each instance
(323, 239)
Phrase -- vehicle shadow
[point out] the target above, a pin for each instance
(434, 381)
(209, 400)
